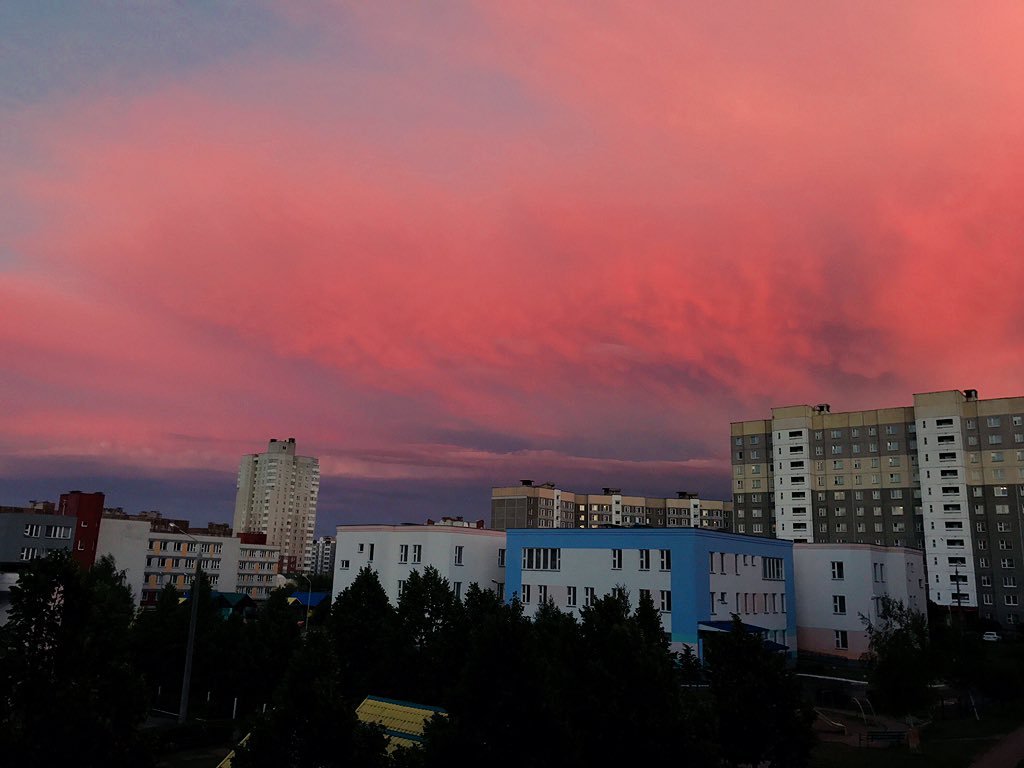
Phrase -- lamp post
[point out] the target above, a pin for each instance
(190, 647)
(309, 598)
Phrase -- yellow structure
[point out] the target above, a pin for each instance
(403, 722)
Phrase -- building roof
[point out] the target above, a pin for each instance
(310, 599)
(726, 626)
(403, 721)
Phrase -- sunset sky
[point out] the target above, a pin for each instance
(452, 245)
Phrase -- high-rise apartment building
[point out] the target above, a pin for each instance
(323, 556)
(277, 495)
(544, 506)
(945, 475)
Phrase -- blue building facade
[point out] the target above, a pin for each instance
(698, 578)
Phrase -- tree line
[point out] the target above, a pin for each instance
(80, 669)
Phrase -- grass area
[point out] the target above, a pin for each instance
(944, 744)
(203, 757)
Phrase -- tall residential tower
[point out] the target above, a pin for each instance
(945, 475)
(277, 495)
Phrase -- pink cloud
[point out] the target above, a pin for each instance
(693, 215)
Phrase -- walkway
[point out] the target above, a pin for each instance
(1006, 754)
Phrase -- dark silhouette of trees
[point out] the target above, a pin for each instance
(898, 657)
(311, 723)
(363, 627)
(69, 694)
(758, 709)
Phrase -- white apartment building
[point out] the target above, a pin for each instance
(323, 555)
(277, 495)
(544, 505)
(837, 584)
(461, 553)
(153, 559)
(945, 475)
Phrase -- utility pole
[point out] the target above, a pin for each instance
(190, 648)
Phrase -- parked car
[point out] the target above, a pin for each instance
(991, 636)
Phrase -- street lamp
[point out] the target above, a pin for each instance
(309, 598)
(190, 648)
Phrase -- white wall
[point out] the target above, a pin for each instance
(126, 541)
(868, 573)
(438, 542)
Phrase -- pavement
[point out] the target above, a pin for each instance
(1007, 753)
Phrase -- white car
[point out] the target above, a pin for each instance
(990, 636)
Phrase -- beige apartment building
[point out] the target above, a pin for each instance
(945, 475)
(277, 496)
(530, 505)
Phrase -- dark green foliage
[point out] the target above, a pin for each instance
(430, 636)
(70, 695)
(898, 657)
(363, 628)
(759, 713)
(311, 725)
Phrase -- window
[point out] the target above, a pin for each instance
(666, 601)
(403, 553)
(666, 560)
(617, 559)
(542, 593)
(771, 568)
(1006, 562)
(542, 559)
(842, 642)
(526, 594)
(417, 554)
(501, 558)
(588, 596)
(1010, 600)
(570, 597)
(645, 559)
(839, 605)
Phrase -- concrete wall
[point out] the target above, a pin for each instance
(868, 572)
(438, 543)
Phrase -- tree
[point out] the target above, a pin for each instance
(759, 711)
(629, 679)
(898, 656)
(431, 636)
(70, 693)
(311, 725)
(363, 626)
(158, 641)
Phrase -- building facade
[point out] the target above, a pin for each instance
(153, 555)
(277, 495)
(696, 578)
(545, 506)
(26, 534)
(323, 556)
(945, 475)
(462, 553)
(838, 586)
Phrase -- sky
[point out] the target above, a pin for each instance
(451, 245)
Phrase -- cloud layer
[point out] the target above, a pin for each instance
(508, 238)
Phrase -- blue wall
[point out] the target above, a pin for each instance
(690, 547)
